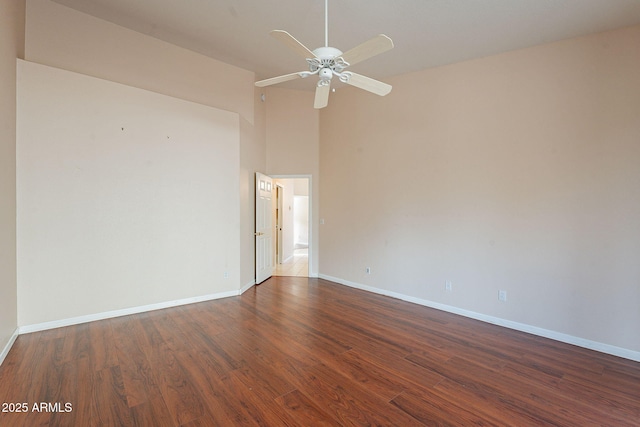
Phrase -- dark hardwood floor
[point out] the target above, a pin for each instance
(306, 352)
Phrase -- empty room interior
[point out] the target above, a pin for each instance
(459, 183)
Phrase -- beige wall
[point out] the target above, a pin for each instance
(292, 137)
(300, 187)
(125, 197)
(65, 38)
(70, 40)
(516, 172)
(11, 47)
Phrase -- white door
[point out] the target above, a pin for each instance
(264, 228)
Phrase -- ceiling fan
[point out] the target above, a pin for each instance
(328, 61)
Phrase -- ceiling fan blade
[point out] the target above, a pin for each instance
(292, 43)
(279, 79)
(322, 96)
(368, 49)
(366, 83)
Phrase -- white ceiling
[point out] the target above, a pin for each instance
(426, 33)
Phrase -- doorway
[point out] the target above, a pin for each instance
(293, 219)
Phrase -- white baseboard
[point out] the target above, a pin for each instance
(123, 312)
(246, 287)
(534, 330)
(558, 336)
(8, 346)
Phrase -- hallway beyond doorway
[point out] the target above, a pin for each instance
(292, 226)
(297, 265)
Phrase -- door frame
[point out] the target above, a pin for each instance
(312, 228)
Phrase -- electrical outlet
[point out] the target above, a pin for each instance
(226, 275)
(502, 296)
(367, 270)
(448, 286)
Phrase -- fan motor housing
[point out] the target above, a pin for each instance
(327, 58)
(327, 53)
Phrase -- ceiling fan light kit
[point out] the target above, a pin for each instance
(327, 62)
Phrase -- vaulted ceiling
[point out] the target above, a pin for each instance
(426, 33)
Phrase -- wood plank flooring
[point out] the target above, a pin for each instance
(306, 352)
